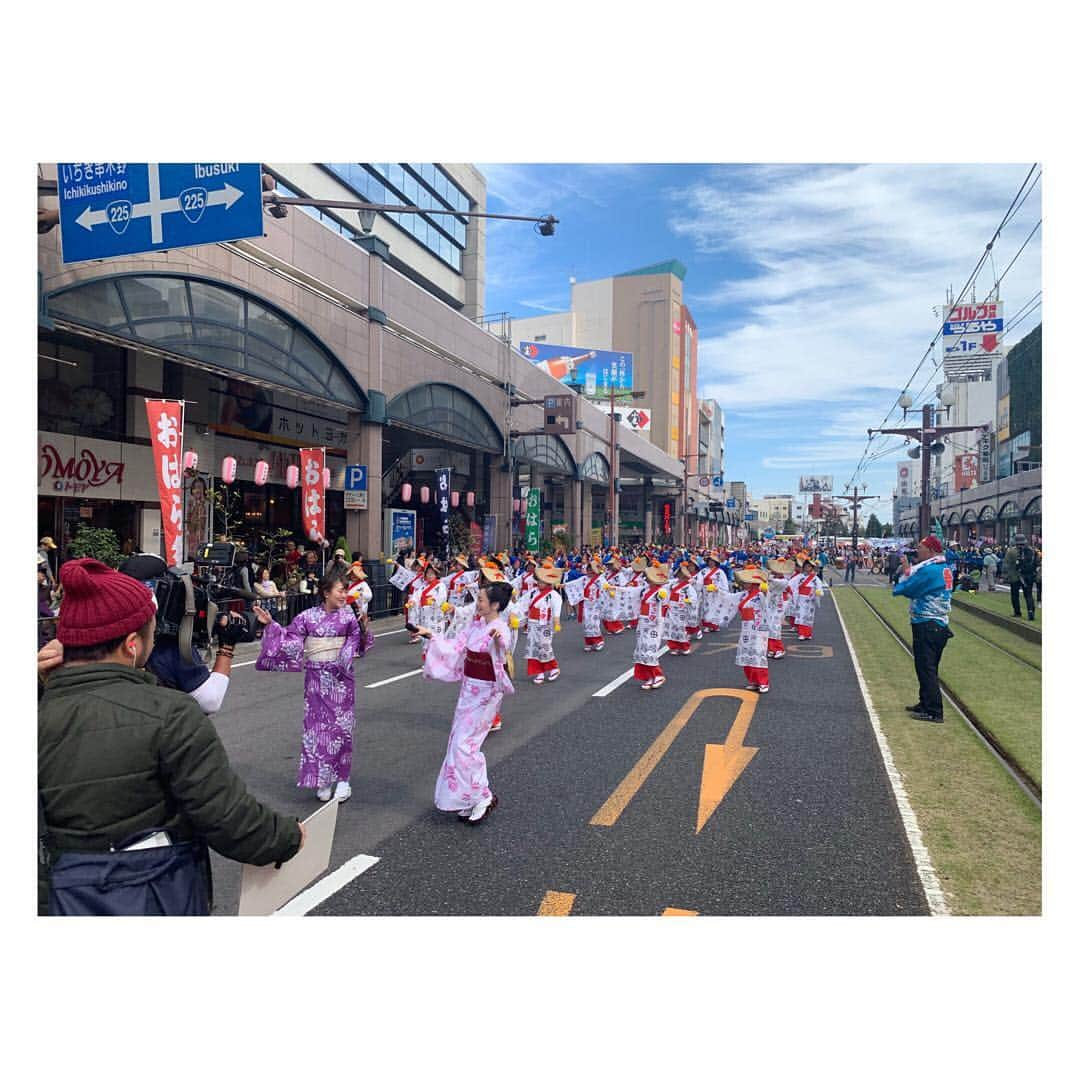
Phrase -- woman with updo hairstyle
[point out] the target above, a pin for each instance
(475, 657)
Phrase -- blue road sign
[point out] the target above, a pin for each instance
(356, 478)
(769, 534)
(731, 504)
(109, 209)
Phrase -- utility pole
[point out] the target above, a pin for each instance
(929, 443)
(855, 500)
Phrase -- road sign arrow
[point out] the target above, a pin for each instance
(226, 196)
(89, 218)
(723, 764)
(989, 342)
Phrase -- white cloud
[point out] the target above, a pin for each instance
(850, 261)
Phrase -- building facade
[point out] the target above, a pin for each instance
(309, 336)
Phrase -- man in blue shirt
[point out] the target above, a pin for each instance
(928, 585)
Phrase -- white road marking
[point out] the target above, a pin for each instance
(935, 896)
(407, 675)
(325, 887)
(248, 663)
(616, 683)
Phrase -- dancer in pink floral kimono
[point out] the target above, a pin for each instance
(475, 658)
(323, 641)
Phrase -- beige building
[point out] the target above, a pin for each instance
(313, 334)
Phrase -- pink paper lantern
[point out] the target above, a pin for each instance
(228, 470)
(470, 498)
(425, 494)
(191, 459)
(262, 472)
(517, 506)
(326, 479)
(406, 492)
(455, 498)
(292, 476)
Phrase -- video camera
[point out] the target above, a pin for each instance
(192, 607)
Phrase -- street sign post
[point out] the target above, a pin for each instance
(109, 209)
(356, 487)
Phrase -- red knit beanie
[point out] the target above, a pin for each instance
(932, 543)
(100, 604)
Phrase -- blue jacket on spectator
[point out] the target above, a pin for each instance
(929, 589)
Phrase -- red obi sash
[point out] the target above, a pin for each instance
(479, 666)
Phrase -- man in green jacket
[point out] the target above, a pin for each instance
(118, 755)
(1020, 569)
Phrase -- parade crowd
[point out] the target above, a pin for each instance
(465, 615)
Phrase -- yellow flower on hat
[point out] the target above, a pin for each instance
(662, 594)
(444, 607)
(515, 622)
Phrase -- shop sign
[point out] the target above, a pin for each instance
(532, 520)
(312, 463)
(77, 474)
(165, 420)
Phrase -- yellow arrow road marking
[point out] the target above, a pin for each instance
(734, 757)
(556, 903)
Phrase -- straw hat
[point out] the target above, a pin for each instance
(751, 575)
(549, 575)
(490, 570)
(356, 569)
(529, 559)
(781, 567)
(658, 573)
(640, 564)
(462, 560)
(595, 565)
(687, 568)
(503, 558)
(714, 555)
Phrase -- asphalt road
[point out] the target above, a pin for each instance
(809, 825)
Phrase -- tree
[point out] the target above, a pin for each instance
(790, 527)
(100, 544)
(873, 526)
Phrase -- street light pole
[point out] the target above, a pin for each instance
(927, 435)
(855, 500)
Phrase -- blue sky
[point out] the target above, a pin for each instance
(813, 286)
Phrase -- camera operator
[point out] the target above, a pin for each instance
(166, 662)
(133, 781)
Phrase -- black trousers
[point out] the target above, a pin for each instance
(928, 641)
(1029, 598)
(849, 572)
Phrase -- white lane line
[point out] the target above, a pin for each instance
(389, 632)
(616, 683)
(325, 887)
(935, 896)
(246, 663)
(407, 675)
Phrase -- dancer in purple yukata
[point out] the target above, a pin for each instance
(323, 641)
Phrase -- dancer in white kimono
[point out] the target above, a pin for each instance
(593, 606)
(460, 586)
(544, 611)
(613, 578)
(752, 652)
(409, 579)
(635, 579)
(779, 594)
(682, 608)
(475, 658)
(428, 606)
(808, 593)
(714, 587)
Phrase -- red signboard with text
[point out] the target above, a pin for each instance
(312, 494)
(166, 422)
(965, 471)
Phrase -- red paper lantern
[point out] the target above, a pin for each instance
(406, 492)
(228, 470)
(262, 472)
(425, 494)
(292, 476)
(470, 498)
(455, 498)
(517, 506)
(191, 459)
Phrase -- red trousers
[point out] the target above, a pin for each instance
(645, 672)
(776, 646)
(613, 627)
(678, 646)
(538, 667)
(805, 632)
(594, 640)
(757, 676)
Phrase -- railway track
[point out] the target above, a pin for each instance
(966, 624)
(985, 736)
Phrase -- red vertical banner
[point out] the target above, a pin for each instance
(166, 422)
(312, 495)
